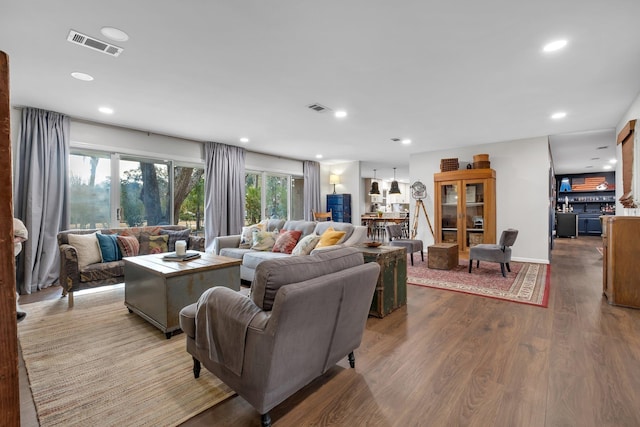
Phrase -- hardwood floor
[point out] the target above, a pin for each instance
(450, 359)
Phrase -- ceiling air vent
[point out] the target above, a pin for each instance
(395, 139)
(92, 43)
(318, 107)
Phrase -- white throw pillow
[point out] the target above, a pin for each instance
(87, 248)
(263, 240)
(306, 244)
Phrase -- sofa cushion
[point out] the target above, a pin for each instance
(174, 236)
(237, 253)
(263, 240)
(347, 227)
(150, 244)
(253, 258)
(286, 241)
(109, 247)
(109, 271)
(330, 237)
(272, 224)
(306, 244)
(246, 237)
(306, 227)
(87, 248)
(129, 245)
(272, 274)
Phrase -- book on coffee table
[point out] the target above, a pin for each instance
(189, 255)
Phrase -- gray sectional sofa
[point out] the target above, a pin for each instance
(229, 245)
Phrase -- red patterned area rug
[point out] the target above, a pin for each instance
(527, 283)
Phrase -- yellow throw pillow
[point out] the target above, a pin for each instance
(330, 237)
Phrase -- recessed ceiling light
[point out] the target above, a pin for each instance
(114, 34)
(105, 110)
(245, 140)
(613, 161)
(554, 45)
(607, 167)
(406, 141)
(559, 115)
(318, 156)
(340, 114)
(81, 76)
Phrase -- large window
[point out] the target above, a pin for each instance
(145, 195)
(269, 195)
(149, 192)
(188, 197)
(90, 189)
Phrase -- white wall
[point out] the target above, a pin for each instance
(522, 191)
(350, 183)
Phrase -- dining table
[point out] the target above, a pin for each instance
(376, 225)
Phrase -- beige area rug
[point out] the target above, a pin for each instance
(98, 365)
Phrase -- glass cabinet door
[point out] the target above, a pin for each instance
(474, 213)
(449, 213)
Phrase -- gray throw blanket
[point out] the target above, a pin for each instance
(222, 319)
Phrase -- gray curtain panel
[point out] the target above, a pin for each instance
(224, 191)
(311, 171)
(42, 188)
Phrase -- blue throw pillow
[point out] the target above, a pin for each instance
(109, 247)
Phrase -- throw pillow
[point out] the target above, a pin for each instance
(153, 244)
(174, 236)
(129, 245)
(306, 244)
(263, 240)
(246, 238)
(87, 248)
(286, 241)
(330, 237)
(109, 247)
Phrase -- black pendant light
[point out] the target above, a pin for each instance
(374, 185)
(394, 184)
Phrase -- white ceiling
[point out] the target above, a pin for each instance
(445, 74)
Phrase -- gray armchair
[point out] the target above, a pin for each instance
(411, 245)
(303, 315)
(500, 253)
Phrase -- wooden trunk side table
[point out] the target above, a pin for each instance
(391, 289)
(442, 256)
(157, 290)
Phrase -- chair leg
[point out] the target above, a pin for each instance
(470, 265)
(508, 268)
(352, 360)
(196, 368)
(478, 264)
(266, 420)
(502, 269)
(422, 255)
(411, 258)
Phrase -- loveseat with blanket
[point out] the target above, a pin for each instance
(304, 314)
(93, 257)
(280, 239)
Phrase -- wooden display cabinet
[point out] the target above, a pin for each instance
(465, 208)
(620, 269)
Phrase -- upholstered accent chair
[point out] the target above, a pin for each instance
(394, 231)
(304, 314)
(500, 253)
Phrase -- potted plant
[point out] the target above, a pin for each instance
(379, 214)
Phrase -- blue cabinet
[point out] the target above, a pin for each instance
(340, 206)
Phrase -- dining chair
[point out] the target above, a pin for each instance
(323, 216)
